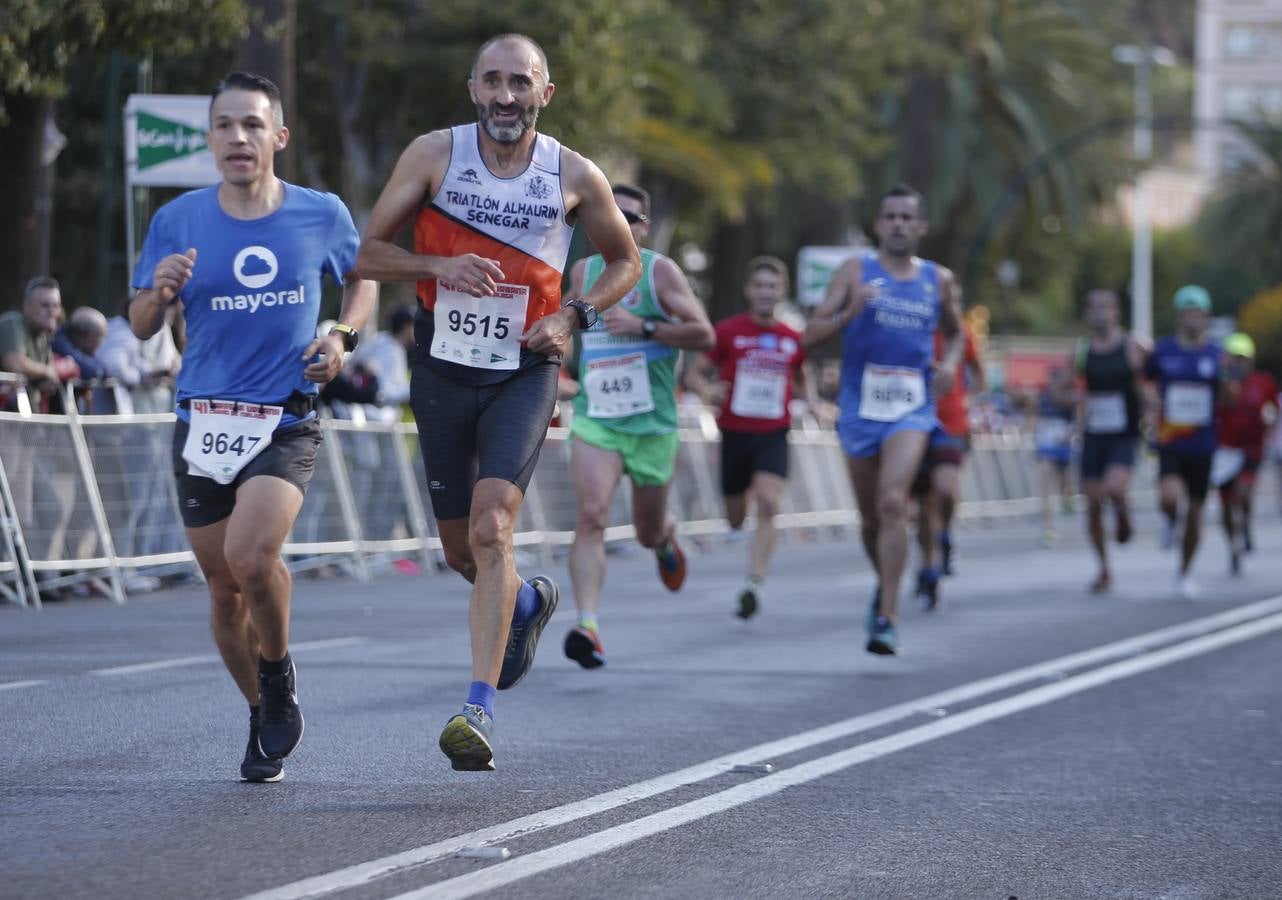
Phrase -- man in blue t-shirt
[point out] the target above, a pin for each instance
(244, 261)
(887, 306)
(1186, 370)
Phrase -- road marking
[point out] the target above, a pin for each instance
(181, 661)
(523, 867)
(364, 873)
(13, 685)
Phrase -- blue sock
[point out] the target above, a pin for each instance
(527, 604)
(945, 539)
(481, 694)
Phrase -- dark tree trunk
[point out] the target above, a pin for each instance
(733, 244)
(21, 142)
(916, 145)
(268, 50)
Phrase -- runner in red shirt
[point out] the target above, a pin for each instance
(938, 480)
(1248, 412)
(757, 360)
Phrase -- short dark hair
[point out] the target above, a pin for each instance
(39, 282)
(636, 193)
(248, 81)
(401, 316)
(904, 190)
(513, 36)
(770, 264)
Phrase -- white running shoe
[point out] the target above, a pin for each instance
(1186, 588)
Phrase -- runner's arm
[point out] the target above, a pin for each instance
(805, 385)
(843, 301)
(695, 378)
(950, 322)
(147, 308)
(950, 326)
(359, 297)
(606, 228)
(593, 205)
(691, 330)
(420, 167)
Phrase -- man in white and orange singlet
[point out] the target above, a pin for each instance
(494, 204)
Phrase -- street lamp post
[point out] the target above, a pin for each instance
(1142, 59)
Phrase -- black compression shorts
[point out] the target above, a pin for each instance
(469, 432)
(743, 454)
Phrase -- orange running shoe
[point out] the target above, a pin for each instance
(672, 566)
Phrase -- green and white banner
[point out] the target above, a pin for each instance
(165, 141)
(815, 268)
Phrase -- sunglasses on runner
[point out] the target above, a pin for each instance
(633, 218)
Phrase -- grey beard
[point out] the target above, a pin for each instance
(508, 134)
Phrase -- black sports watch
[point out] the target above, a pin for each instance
(351, 337)
(587, 313)
(649, 327)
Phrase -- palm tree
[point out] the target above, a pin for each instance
(1004, 80)
(1242, 226)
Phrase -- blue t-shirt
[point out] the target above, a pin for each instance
(254, 297)
(895, 330)
(1187, 380)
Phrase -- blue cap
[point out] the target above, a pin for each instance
(1193, 296)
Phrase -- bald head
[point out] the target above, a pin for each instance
(86, 327)
(540, 60)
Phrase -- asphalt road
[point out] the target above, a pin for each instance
(982, 763)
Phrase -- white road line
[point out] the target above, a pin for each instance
(180, 661)
(523, 867)
(363, 873)
(14, 685)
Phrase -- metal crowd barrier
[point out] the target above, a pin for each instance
(90, 498)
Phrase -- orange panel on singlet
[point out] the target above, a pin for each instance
(438, 234)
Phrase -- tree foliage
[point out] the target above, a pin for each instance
(1241, 228)
(1261, 318)
(759, 126)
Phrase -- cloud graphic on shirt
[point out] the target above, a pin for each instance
(255, 267)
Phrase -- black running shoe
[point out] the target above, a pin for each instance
(946, 551)
(523, 639)
(583, 645)
(749, 600)
(280, 721)
(883, 640)
(256, 767)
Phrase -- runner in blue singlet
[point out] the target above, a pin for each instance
(887, 306)
(243, 263)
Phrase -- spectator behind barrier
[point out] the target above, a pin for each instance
(386, 356)
(80, 338)
(25, 337)
(145, 368)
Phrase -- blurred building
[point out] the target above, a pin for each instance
(1175, 195)
(1239, 74)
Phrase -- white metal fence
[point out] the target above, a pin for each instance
(91, 498)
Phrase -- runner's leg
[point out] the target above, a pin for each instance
(266, 508)
(767, 492)
(901, 454)
(596, 473)
(495, 503)
(1096, 491)
(863, 477)
(229, 618)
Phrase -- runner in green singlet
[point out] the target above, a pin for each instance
(625, 418)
